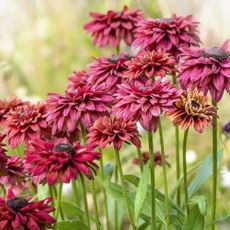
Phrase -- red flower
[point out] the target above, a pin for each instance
(111, 28)
(77, 79)
(6, 107)
(145, 102)
(107, 72)
(145, 158)
(3, 157)
(207, 69)
(48, 162)
(19, 213)
(107, 130)
(149, 64)
(84, 105)
(192, 109)
(168, 34)
(25, 123)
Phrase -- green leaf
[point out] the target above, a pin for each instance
(72, 225)
(194, 221)
(201, 201)
(204, 172)
(71, 209)
(141, 193)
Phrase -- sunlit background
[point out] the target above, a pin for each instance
(43, 41)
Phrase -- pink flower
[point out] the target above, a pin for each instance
(168, 34)
(3, 157)
(48, 162)
(21, 213)
(145, 102)
(84, 105)
(77, 79)
(107, 72)
(149, 64)
(207, 69)
(107, 130)
(25, 123)
(111, 28)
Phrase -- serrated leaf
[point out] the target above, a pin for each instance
(194, 220)
(203, 174)
(201, 201)
(72, 225)
(141, 193)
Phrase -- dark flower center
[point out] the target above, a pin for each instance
(116, 58)
(216, 52)
(195, 105)
(68, 148)
(165, 20)
(16, 203)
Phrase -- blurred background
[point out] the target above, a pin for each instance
(42, 42)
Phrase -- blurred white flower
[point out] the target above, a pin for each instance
(190, 156)
(225, 177)
(67, 188)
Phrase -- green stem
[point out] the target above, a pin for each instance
(115, 203)
(54, 192)
(185, 170)
(104, 193)
(58, 204)
(152, 175)
(214, 169)
(75, 192)
(95, 205)
(165, 176)
(83, 131)
(84, 192)
(125, 194)
(141, 162)
(51, 194)
(177, 151)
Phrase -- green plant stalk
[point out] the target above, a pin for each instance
(214, 168)
(84, 192)
(104, 193)
(58, 203)
(51, 195)
(177, 151)
(75, 192)
(118, 162)
(115, 202)
(164, 175)
(55, 197)
(97, 220)
(185, 170)
(141, 163)
(152, 176)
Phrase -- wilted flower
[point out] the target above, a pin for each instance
(145, 102)
(145, 158)
(107, 130)
(25, 123)
(111, 28)
(149, 64)
(84, 105)
(48, 162)
(3, 157)
(6, 107)
(77, 79)
(168, 34)
(21, 213)
(193, 109)
(107, 72)
(207, 69)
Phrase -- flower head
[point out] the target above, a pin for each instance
(77, 79)
(85, 105)
(48, 162)
(21, 213)
(107, 72)
(3, 157)
(168, 34)
(226, 129)
(112, 27)
(25, 123)
(6, 107)
(145, 102)
(145, 158)
(110, 129)
(149, 64)
(207, 69)
(193, 109)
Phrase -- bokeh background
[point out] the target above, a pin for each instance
(42, 42)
